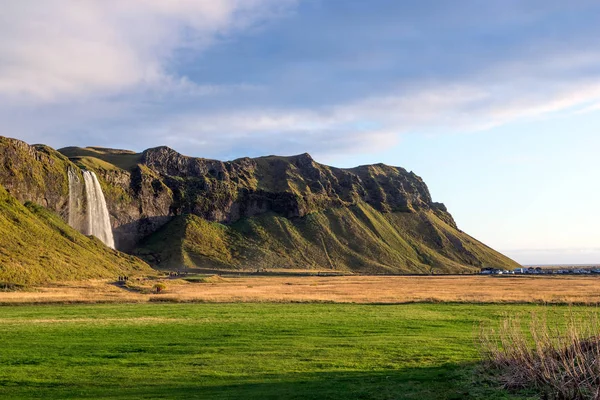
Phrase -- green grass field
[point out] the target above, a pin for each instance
(245, 351)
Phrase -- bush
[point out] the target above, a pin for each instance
(10, 287)
(560, 362)
(159, 287)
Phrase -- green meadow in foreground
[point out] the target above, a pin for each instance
(246, 351)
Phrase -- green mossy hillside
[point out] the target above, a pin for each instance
(37, 246)
(350, 239)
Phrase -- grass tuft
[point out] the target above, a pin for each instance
(561, 361)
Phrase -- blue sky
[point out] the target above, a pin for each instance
(496, 104)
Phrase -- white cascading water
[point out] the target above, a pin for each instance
(98, 219)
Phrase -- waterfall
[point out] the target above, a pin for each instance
(94, 219)
(98, 219)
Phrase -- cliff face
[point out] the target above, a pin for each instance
(146, 191)
(34, 173)
(160, 183)
(290, 186)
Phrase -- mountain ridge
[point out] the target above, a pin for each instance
(147, 192)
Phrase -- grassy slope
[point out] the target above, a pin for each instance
(245, 351)
(38, 246)
(356, 238)
(97, 157)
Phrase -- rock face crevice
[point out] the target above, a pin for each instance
(145, 191)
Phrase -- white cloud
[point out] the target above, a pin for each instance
(101, 72)
(55, 50)
(371, 124)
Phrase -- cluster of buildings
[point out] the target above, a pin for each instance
(540, 271)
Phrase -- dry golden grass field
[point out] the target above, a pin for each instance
(339, 289)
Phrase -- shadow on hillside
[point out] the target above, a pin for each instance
(450, 382)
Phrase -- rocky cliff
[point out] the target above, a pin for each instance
(250, 205)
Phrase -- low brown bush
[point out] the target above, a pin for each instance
(560, 360)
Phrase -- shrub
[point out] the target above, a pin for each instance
(159, 287)
(10, 287)
(561, 362)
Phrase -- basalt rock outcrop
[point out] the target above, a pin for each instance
(34, 173)
(248, 209)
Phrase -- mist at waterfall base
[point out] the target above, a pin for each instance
(89, 217)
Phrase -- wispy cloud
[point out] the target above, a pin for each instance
(58, 50)
(187, 73)
(370, 124)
